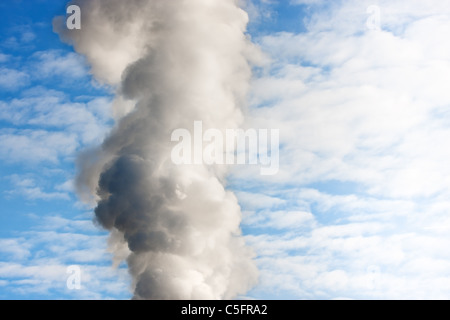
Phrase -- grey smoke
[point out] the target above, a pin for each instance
(172, 63)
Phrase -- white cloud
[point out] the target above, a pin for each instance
(255, 201)
(307, 2)
(281, 220)
(258, 10)
(366, 108)
(19, 37)
(67, 186)
(4, 57)
(65, 225)
(28, 189)
(43, 278)
(11, 43)
(36, 193)
(59, 126)
(56, 63)
(35, 146)
(331, 263)
(27, 36)
(12, 79)
(18, 249)
(36, 263)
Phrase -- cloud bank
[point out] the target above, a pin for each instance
(364, 168)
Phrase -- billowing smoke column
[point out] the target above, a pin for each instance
(173, 62)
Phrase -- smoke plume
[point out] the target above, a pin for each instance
(172, 63)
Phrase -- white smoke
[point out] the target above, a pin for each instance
(172, 63)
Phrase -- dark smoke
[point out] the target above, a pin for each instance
(172, 62)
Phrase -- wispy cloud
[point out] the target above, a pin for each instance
(34, 146)
(53, 126)
(4, 57)
(46, 278)
(57, 63)
(364, 108)
(35, 264)
(19, 37)
(11, 79)
(16, 249)
(28, 189)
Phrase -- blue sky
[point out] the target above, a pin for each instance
(50, 110)
(360, 206)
